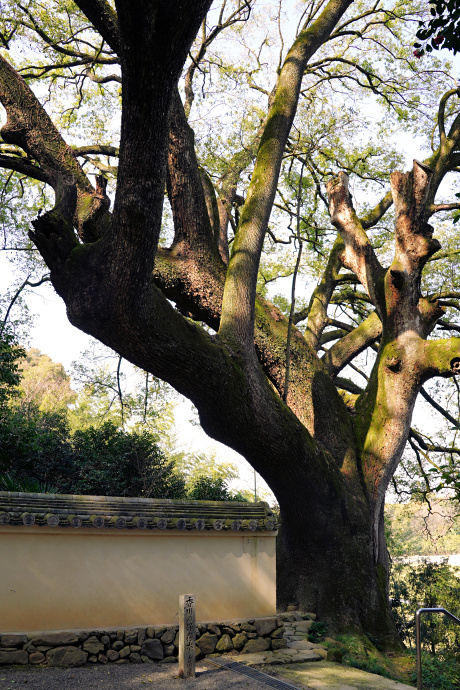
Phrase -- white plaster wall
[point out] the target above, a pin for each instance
(63, 579)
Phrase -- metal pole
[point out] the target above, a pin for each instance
(418, 650)
(418, 645)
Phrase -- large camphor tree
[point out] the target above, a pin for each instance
(192, 312)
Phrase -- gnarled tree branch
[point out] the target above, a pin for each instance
(240, 287)
(358, 254)
(352, 344)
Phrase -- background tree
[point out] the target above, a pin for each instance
(112, 462)
(430, 585)
(420, 528)
(207, 479)
(128, 398)
(327, 446)
(44, 383)
(10, 354)
(46, 444)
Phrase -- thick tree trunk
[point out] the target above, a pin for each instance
(325, 563)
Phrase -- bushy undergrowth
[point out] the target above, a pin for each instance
(26, 485)
(429, 585)
(369, 665)
(438, 672)
(317, 631)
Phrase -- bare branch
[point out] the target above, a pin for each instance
(441, 113)
(294, 278)
(24, 167)
(321, 297)
(348, 385)
(102, 149)
(434, 448)
(103, 80)
(104, 19)
(377, 212)
(329, 336)
(436, 208)
(448, 326)
(26, 283)
(439, 408)
(240, 14)
(444, 294)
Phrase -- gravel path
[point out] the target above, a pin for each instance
(124, 677)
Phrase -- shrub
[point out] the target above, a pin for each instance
(317, 631)
(438, 673)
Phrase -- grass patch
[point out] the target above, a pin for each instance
(359, 652)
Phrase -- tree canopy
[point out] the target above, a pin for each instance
(277, 133)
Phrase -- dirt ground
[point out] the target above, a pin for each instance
(124, 677)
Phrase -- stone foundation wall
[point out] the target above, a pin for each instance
(141, 645)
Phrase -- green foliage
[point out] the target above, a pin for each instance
(39, 447)
(112, 462)
(439, 672)
(442, 30)
(212, 489)
(35, 446)
(10, 356)
(317, 631)
(26, 485)
(429, 585)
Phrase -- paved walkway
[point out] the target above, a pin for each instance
(324, 675)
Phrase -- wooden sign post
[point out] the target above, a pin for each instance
(187, 636)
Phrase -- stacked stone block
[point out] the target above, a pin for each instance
(141, 645)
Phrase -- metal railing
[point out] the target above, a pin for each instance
(418, 645)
